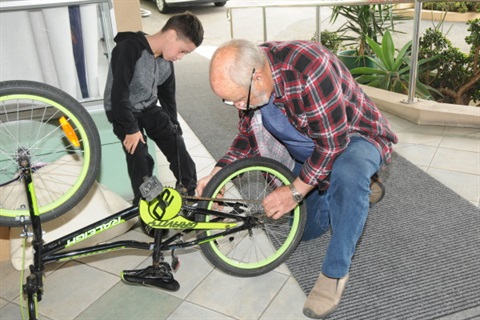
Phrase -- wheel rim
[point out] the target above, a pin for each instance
(43, 114)
(265, 254)
(161, 5)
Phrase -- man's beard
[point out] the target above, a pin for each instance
(265, 98)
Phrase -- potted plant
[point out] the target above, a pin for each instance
(362, 22)
(391, 71)
(330, 40)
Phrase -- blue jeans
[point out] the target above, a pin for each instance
(343, 207)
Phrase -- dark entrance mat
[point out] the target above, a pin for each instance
(418, 258)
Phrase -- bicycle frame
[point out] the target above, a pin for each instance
(49, 249)
(45, 253)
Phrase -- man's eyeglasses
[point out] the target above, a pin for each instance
(231, 103)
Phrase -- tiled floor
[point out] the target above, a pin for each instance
(91, 288)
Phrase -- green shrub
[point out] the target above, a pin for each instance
(331, 40)
(391, 70)
(362, 21)
(453, 6)
(455, 75)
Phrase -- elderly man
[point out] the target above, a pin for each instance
(308, 102)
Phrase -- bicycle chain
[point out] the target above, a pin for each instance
(195, 198)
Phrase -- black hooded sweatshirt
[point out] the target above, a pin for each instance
(136, 80)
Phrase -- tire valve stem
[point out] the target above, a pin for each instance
(69, 132)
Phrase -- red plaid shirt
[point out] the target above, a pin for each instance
(322, 101)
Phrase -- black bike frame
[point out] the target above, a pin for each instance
(48, 252)
(45, 253)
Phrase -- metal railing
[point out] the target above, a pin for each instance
(233, 5)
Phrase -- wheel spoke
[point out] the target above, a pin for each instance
(266, 243)
(62, 171)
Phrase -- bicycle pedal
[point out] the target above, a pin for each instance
(175, 264)
(160, 277)
(150, 188)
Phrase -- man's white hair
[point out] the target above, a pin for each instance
(247, 57)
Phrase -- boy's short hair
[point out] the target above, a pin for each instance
(187, 25)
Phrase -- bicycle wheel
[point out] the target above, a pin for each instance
(267, 243)
(32, 303)
(54, 133)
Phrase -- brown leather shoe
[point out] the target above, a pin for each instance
(377, 190)
(324, 297)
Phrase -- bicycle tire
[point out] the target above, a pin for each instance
(256, 251)
(63, 169)
(32, 304)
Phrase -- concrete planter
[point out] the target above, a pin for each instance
(424, 112)
(407, 10)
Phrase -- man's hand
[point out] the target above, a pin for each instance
(131, 141)
(203, 182)
(281, 201)
(278, 203)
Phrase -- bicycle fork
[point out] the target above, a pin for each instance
(33, 288)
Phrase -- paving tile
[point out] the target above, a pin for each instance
(193, 270)
(475, 134)
(124, 301)
(204, 165)
(191, 311)
(464, 184)
(199, 150)
(419, 155)
(9, 281)
(12, 311)
(125, 259)
(473, 313)
(398, 124)
(461, 131)
(3, 303)
(295, 296)
(426, 130)
(72, 288)
(465, 143)
(419, 139)
(456, 160)
(165, 175)
(222, 293)
(192, 143)
(283, 269)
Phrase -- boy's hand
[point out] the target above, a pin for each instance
(131, 141)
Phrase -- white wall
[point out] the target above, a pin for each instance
(37, 45)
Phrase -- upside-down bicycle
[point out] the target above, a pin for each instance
(49, 158)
